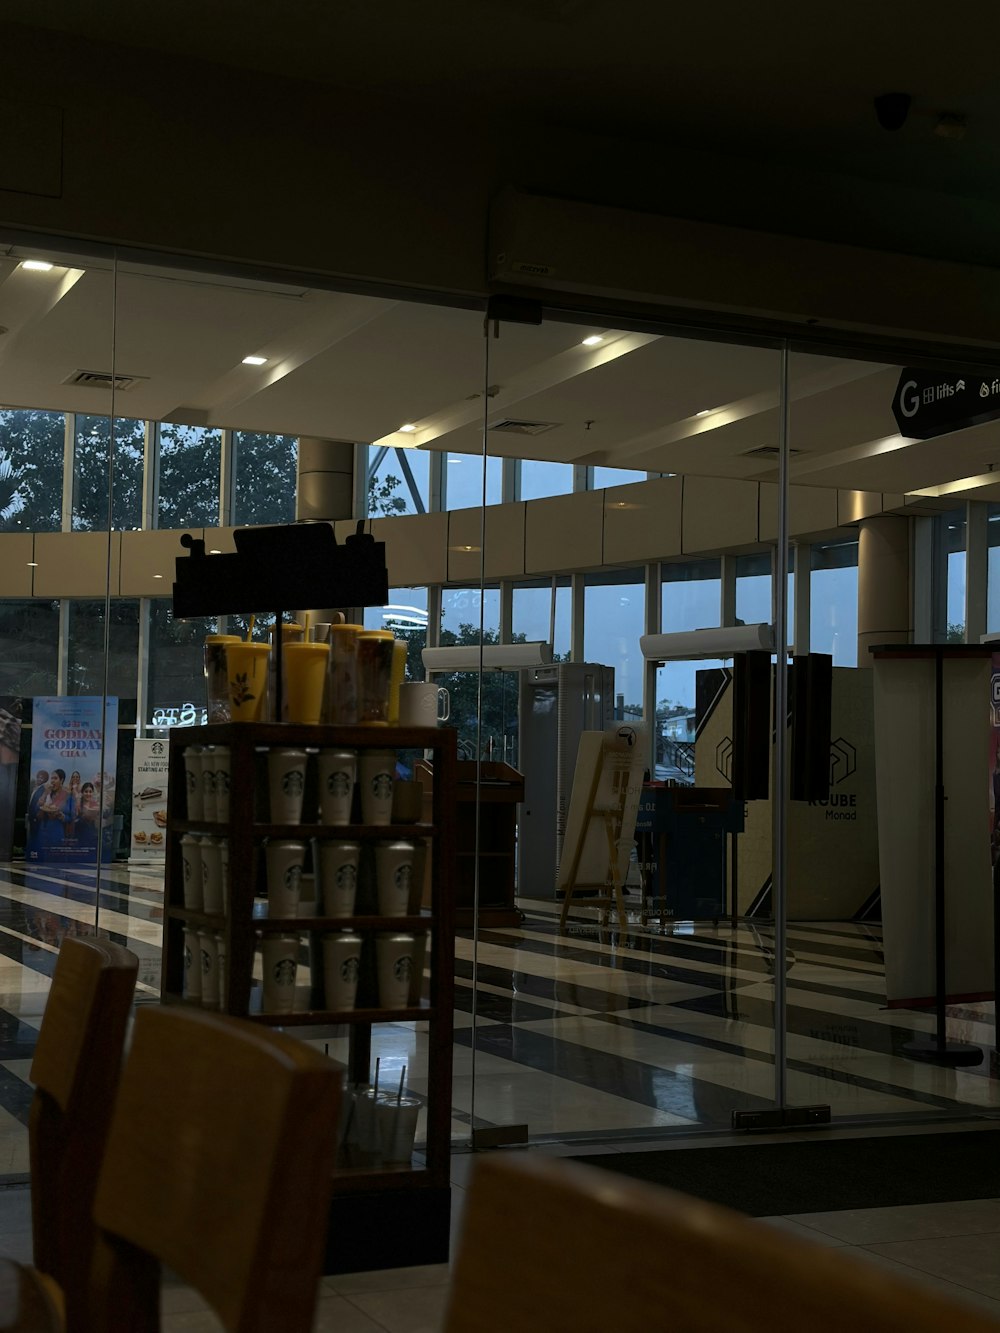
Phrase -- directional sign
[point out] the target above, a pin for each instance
(928, 403)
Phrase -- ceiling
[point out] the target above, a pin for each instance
(350, 367)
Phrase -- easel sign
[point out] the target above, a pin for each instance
(600, 822)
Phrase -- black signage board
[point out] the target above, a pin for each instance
(928, 403)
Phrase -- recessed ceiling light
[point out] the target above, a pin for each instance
(215, 551)
(157, 576)
(593, 340)
(32, 564)
(408, 427)
(706, 411)
(36, 265)
(255, 360)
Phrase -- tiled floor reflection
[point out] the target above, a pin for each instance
(579, 1034)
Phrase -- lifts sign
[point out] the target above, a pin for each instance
(928, 403)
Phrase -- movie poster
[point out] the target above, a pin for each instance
(71, 805)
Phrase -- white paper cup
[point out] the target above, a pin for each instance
(210, 806)
(395, 958)
(341, 968)
(285, 861)
(223, 782)
(378, 772)
(286, 770)
(192, 966)
(397, 1126)
(208, 951)
(191, 863)
(338, 876)
(338, 772)
(192, 779)
(394, 877)
(280, 958)
(211, 875)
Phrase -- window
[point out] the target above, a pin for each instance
(266, 477)
(464, 481)
(833, 602)
(176, 693)
(613, 476)
(92, 453)
(31, 470)
(541, 479)
(950, 549)
(678, 687)
(993, 568)
(29, 632)
(753, 590)
(460, 615)
(86, 664)
(613, 622)
(190, 462)
(406, 615)
(531, 614)
(691, 595)
(398, 481)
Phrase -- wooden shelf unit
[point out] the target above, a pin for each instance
(396, 1215)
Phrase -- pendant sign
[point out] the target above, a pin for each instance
(928, 403)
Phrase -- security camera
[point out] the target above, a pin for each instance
(892, 109)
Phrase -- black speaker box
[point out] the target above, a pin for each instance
(810, 697)
(752, 725)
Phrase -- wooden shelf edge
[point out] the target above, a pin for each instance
(331, 924)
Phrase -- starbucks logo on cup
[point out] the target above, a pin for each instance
(382, 786)
(338, 784)
(284, 971)
(292, 782)
(293, 877)
(349, 969)
(206, 963)
(402, 968)
(188, 958)
(222, 780)
(208, 780)
(401, 878)
(187, 870)
(192, 781)
(346, 877)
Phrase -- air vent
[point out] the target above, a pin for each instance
(102, 379)
(511, 426)
(767, 451)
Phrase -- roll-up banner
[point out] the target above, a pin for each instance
(71, 804)
(150, 765)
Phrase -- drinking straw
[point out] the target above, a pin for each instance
(375, 1085)
(399, 1094)
(253, 621)
(305, 636)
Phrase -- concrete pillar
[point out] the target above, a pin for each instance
(325, 480)
(884, 613)
(324, 492)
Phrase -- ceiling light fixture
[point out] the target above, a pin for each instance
(593, 340)
(255, 361)
(706, 411)
(408, 428)
(32, 564)
(36, 265)
(157, 576)
(215, 551)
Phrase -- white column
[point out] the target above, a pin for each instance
(884, 614)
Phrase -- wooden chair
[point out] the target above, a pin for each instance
(557, 1247)
(219, 1164)
(75, 1072)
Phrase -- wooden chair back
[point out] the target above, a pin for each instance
(75, 1071)
(219, 1164)
(549, 1246)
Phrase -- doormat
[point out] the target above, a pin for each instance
(821, 1176)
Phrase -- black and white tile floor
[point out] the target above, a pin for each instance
(586, 1038)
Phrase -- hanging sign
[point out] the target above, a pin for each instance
(935, 402)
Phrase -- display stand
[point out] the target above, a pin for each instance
(936, 1048)
(381, 1215)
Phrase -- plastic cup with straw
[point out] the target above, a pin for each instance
(397, 1123)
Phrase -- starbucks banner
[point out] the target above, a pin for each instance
(72, 802)
(150, 766)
